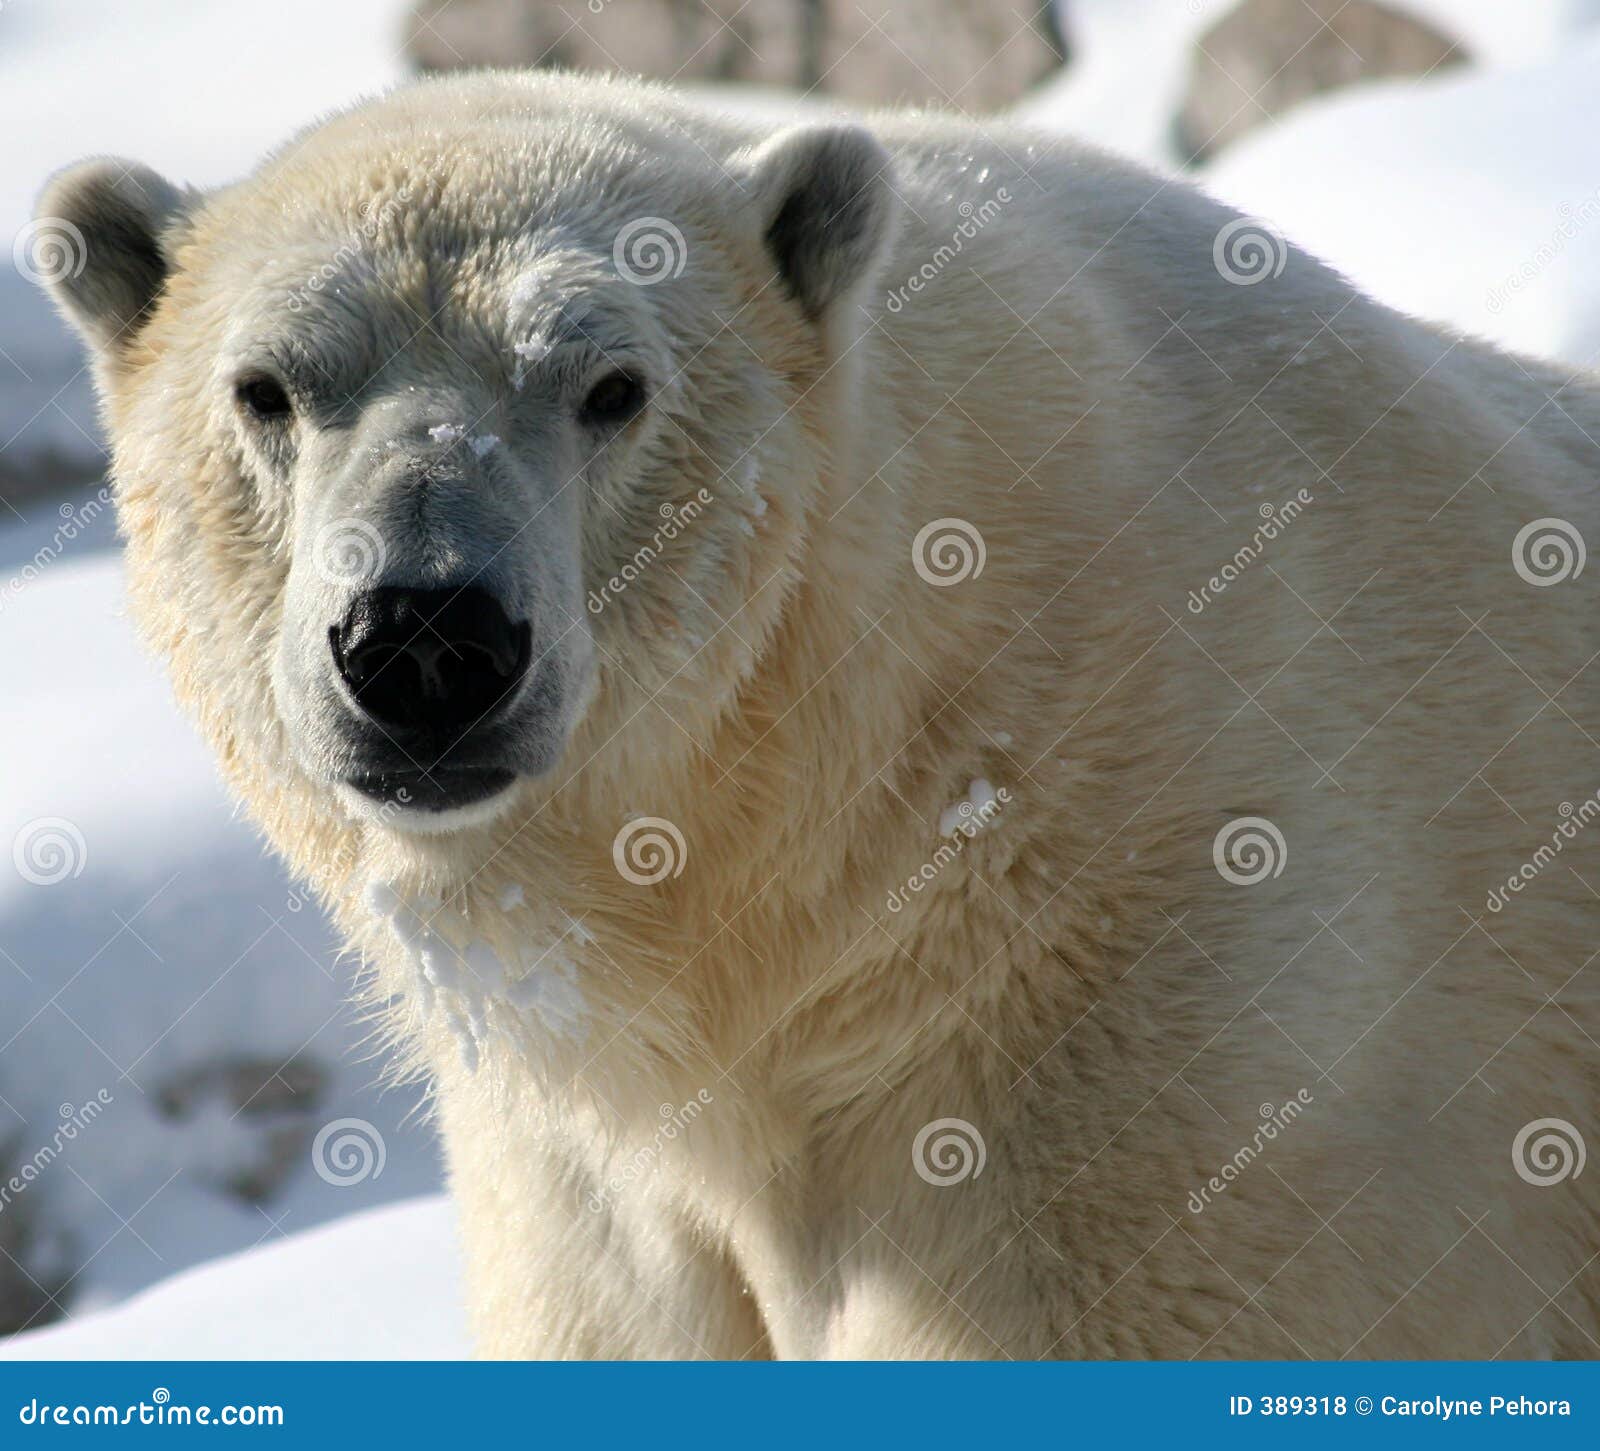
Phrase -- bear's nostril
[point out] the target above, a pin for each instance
(430, 662)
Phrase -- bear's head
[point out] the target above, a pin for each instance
(474, 420)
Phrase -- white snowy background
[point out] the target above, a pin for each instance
(173, 951)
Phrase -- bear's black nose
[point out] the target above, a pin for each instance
(430, 663)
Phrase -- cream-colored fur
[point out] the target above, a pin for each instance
(710, 1141)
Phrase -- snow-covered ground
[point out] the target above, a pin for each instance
(156, 969)
(1471, 197)
(1131, 59)
(377, 1286)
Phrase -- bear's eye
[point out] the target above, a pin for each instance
(614, 399)
(263, 397)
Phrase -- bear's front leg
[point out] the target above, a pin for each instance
(916, 1224)
(558, 1270)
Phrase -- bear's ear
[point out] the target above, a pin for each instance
(108, 226)
(827, 208)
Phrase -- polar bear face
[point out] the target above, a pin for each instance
(460, 416)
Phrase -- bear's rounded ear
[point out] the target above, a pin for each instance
(827, 209)
(101, 240)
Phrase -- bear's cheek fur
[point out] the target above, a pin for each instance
(190, 513)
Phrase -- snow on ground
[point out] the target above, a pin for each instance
(1131, 59)
(157, 967)
(383, 1285)
(1472, 198)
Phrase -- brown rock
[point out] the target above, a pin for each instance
(968, 55)
(26, 1294)
(1268, 55)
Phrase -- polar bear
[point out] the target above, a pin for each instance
(939, 747)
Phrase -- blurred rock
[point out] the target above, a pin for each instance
(26, 1289)
(968, 55)
(42, 477)
(276, 1098)
(1268, 55)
